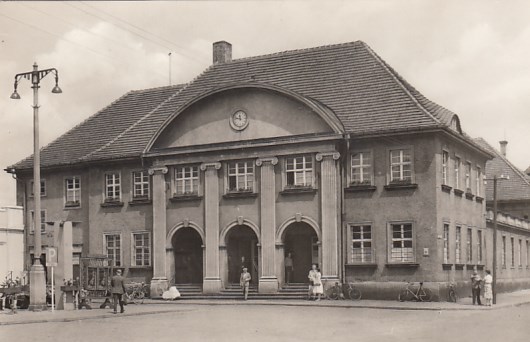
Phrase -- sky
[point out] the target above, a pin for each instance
(472, 57)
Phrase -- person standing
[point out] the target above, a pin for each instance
(475, 288)
(117, 284)
(315, 283)
(245, 282)
(288, 268)
(488, 290)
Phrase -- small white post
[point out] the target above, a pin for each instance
(53, 293)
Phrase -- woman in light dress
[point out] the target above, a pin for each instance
(315, 283)
(488, 291)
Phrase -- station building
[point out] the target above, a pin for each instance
(326, 153)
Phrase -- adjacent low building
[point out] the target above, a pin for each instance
(11, 243)
(326, 153)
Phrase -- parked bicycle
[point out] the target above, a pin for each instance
(452, 295)
(348, 291)
(410, 293)
(137, 292)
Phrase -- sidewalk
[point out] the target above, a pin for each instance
(150, 307)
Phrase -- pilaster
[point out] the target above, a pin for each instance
(268, 282)
(212, 280)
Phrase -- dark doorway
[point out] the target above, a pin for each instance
(301, 241)
(187, 250)
(242, 251)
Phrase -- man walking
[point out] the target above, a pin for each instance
(475, 288)
(118, 290)
(245, 282)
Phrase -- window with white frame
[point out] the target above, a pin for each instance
(402, 249)
(241, 176)
(512, 245)
(361, 168)
(42, 188)
(361, 247)
(299, 171)
(186, 180)
(113, 248)
(401, 166)
(520, 256)
(478, 181)
(458, 246)
(141, 254)
(479, 247)
(469, 246)
(468, 176)
(446, 243)
(503, 252)
(72, 194)
(445, 168)
(457, 172)
(42, 221)
(140, 184)
(112, 187)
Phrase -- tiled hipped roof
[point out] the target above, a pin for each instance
(366, 95)
(517, 187)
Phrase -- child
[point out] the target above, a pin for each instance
(245, 282)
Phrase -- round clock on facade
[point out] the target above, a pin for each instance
(239, 120)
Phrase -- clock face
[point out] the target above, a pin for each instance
(239, 120)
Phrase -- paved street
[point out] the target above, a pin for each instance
(191, 322)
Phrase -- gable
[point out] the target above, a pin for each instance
(270, 114)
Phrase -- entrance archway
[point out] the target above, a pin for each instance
(301, 241)
(242, 251)
(187, 252)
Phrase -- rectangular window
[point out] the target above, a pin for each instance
(458, 247)
(112, 187)
(445, 164)
(141, 255)
(140, 184)
(512, 241)
(72, 191)
(241, 176)
(299, 172)
(479, 182)
(361, 244)
(469, 247)
(42, 221)
(361, 168)
(468, 177)
(186, 180)
(457, 172)
(401, 166)
(446, 243)
(113, 248)
(503, 252)
(479, 247)
(42, 188)
(402, 249)
(520, 257)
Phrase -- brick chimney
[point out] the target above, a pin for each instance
(503, 147)
(222, 52)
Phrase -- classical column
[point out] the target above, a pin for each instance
(329, 193)
(212, 280)
(268, 283)
(159, 283)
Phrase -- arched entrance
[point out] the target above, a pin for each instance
(242, 251)
(301, 241)
(187, 251)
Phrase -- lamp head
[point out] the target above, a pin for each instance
(15, 95)
(56, 90)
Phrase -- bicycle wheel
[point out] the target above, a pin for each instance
(355, 294)
(403, 296)
(332, 294)
(453, 297)
(425, 295)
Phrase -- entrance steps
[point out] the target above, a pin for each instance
(233, 291)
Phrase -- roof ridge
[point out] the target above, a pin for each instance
(294, 51)
(70, 131)
(145, 116)
(400, 81)
(158, 88)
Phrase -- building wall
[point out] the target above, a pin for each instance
(11, 243)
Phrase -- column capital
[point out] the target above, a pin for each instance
(215, 165)
(161, 169)
(321, 156)
(261, 161)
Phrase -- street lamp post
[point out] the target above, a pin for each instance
(37, 289)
